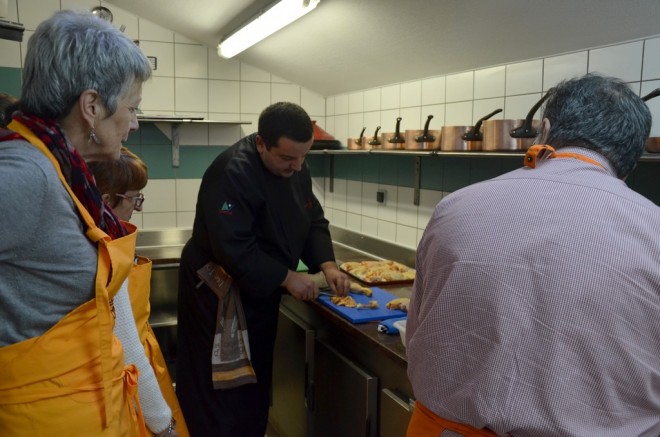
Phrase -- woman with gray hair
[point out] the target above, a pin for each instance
(64, 259)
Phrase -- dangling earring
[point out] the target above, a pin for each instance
(93, 137)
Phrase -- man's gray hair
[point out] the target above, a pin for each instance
(602, 114)
(74, 51)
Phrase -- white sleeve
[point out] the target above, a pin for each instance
(157, 413)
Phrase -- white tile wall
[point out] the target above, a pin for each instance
(390, 97)
(164, 54)
(224, 96)
(524, 77)
(190, 61)
(623, 61)
(220, 68)
(191, 95)
(411, 94)
(558, 68)
(285, 92)
(158, 95)
(153, 32)
(255, 96)
(489, 82)
(651, 66)
(356, 102)
(372, 100)
(460, 87)
(433, 90)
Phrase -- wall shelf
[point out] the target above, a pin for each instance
(646, 157)
(418, 154)
(175, 122)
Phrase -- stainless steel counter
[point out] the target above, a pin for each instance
(164, 249)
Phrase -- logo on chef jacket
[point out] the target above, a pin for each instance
(308, 204)
(226, 208)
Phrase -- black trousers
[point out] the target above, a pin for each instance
(237, 412)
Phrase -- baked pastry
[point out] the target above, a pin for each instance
(400, 303)
(344, 301)
(378, 271)
(359, 289)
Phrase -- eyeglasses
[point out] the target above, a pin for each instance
(137, 200)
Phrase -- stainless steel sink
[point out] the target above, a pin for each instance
(164, 290)
(163, 247)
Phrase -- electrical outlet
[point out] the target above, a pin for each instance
(380, 196)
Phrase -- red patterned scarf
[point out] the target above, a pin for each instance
(73, 168)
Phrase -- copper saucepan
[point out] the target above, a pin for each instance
(395, 140)
(460, 138)
(423, 140)
(374, 142)
(504, 135)
(357, 143)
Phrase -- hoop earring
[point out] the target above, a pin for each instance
(93, 137)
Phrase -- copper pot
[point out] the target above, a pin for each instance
(394, 140)
(653, 145)
(461, 138)
(503, 135)
(374, 142)
(357, 143)
(423, 139)
(451, 139)
(497, 135)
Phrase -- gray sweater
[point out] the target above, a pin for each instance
(47, 265)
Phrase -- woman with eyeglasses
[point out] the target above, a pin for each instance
(120, 183)
(64, 257)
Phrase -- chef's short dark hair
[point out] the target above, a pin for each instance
(602, 114)
(284, 119)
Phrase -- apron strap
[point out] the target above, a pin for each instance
(541, 152)
(94, 234)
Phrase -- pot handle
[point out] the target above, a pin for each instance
(359, 140)
(526, 130)
(397, 139)
(475, 134)
(375, 141)
(652, 94)
(425, 137)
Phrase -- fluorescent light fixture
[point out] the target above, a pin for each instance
(272, 20)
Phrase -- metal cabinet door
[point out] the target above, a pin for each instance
(290, 413)
(345, 396)
(395, 413)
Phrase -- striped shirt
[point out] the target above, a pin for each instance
(536, 306)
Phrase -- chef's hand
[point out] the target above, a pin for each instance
(338, 281)
(301, 286)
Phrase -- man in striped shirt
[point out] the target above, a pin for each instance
(536, 306)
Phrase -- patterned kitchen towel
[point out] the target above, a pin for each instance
(230, 360)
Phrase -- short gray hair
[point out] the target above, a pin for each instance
(74, 51)
(602, 114)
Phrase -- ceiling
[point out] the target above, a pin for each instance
(349, 45)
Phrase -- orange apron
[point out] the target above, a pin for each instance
(72, 380)
(425, 423)
(138, 290)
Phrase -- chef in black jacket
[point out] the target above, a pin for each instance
(256, 217)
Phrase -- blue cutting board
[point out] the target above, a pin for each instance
(366, 315)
